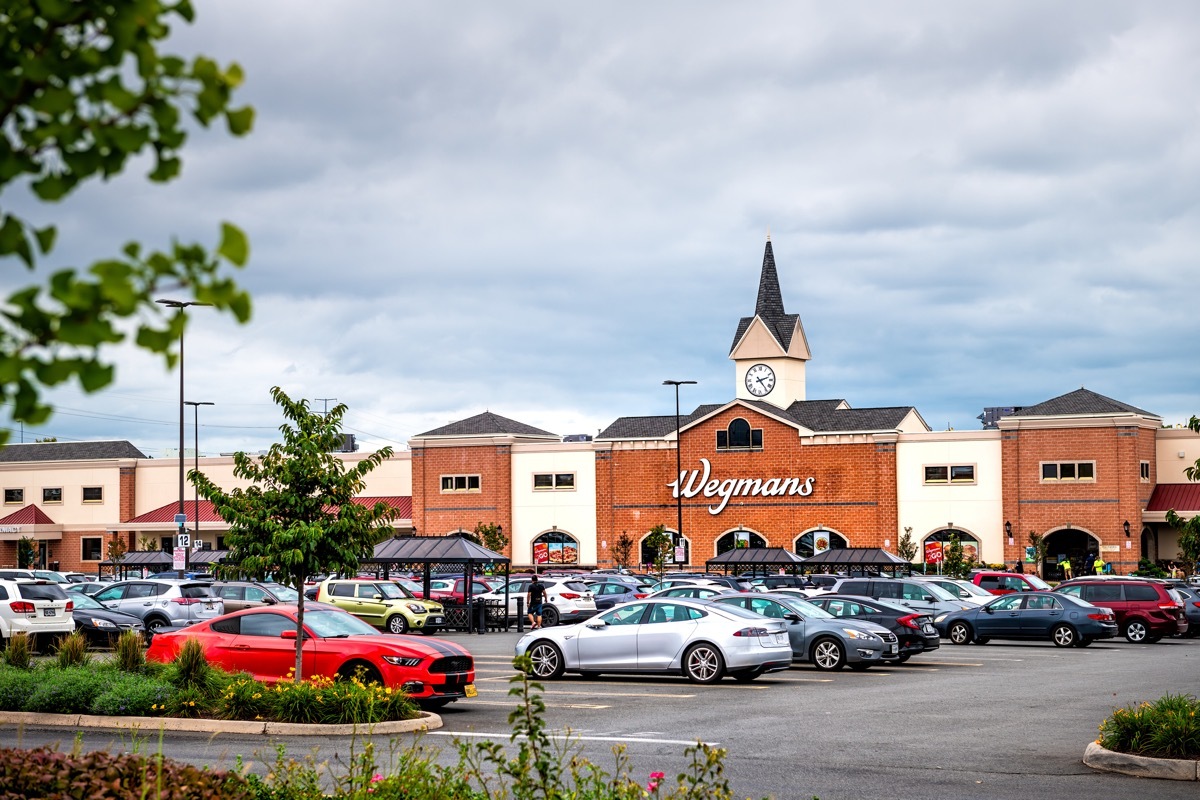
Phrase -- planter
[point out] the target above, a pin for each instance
(1171, 769)
(426, 721)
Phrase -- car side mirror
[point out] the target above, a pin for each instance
(987, 609)
(596, 624)
(793, 617)
(376, 597)
(928, 598)
(270, 601)
(288, 634)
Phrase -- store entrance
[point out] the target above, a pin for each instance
(1078, 546)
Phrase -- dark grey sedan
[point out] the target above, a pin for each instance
(1060, 618)
(914, 629)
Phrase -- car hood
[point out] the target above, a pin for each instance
(849, 622)
(115, 617)
(403, 645)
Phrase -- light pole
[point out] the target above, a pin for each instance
(678, 465)
(181, 517)
(195, 404)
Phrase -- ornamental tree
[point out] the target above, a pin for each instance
(906, 548)
(1189, 529)
(491, 536)
(622, 550)
(298, 516)
(658, 542)
(84, 87)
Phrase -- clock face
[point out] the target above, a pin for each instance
(760, 380)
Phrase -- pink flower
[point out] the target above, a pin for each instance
(655, 780)
(376, 778)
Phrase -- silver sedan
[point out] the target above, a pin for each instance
(699, 639)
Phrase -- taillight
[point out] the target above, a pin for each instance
(21, 607)
(70, 605)
(1168, 606)
(752, 632)
(187, 601)
(570, 596)
(910, 621)
(637, 596)
(1100, 617)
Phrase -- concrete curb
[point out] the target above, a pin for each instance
(425, 722)
(1169, 769)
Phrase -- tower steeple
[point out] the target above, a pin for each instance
(772, 341)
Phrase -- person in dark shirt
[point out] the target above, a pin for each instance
(534, 599)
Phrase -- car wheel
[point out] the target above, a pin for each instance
(702, 663)
(1063, 636)
(960, 633)
(1135, 631)
(860, 666)
(549, 616)
(747, 675)
(155, 624)
(904, 657)
(547, 660)
(397, 624)
(828, 654)
(1084, 642)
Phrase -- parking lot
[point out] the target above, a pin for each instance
(993, 721)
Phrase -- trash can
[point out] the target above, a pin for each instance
(479, 614)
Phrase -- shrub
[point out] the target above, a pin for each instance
(245, 698)
(297, 702)
(323, 700)
(190, 671)
(73, 650)
(133, 695)
(16, 685)
(42, 772)
(66, 691)
(1166, 728)
(189, 702)
(130, 653)
(19, 651)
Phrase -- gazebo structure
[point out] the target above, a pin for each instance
(139, 560)
(756, 560)
(423, 553)
(863, 559)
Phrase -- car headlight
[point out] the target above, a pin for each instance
(401, 661)
(940, 617)
(102, 623)
(417, 609)
(855, 633)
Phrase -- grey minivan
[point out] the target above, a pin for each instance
(917, 595)
(163, 603)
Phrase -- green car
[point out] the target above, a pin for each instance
(384, 605)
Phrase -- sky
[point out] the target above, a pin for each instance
(544, 210)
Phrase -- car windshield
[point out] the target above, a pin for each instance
(391, 591)
(284, 594)
(328, 624)
(576, 586)
(81, 600)
(41, 591)
(971, 588)
(1038, 582)
(938, 592)
(411, 586)
(806, 609)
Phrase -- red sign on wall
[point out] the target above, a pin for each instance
(933, 552)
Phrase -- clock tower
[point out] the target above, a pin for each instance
(769, 349)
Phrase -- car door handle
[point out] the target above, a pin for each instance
(240, 647)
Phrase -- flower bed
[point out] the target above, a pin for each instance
(1166, 728)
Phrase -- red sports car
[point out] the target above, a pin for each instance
(262, 642)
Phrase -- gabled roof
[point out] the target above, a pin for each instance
(769, 306)
(861, 556)
(775, 556)
(487, 424)
(29, 515)
(69, 451)
(1080, 401)
(1183, 497)
(431, 549)
(166, 514)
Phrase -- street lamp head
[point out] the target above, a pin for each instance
(679, 383)
(181, 304)
(198, 403)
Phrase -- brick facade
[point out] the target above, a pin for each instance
(437, 513)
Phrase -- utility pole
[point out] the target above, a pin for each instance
(326, 401)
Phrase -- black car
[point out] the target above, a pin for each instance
(100, 625)
(914, 629)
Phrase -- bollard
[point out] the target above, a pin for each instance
(520, 615)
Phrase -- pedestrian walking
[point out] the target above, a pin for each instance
(1068, 573)
(534, 599)
(1098, 566)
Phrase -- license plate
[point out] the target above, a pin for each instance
(926, 629)
(781, 638)
(893, 648)
(437, 620)
(47, 612)
(471, 690)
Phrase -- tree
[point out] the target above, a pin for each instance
(117, 548)
(953, 563)
(906, 548)
(1189, 529)
(84, 88)
(1038, 543)
(491, 536)
(658, 542)
(298, 516)
(26, 552)
(622, 550)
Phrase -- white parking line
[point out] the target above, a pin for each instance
(506, 735)
(478, 702)
(606, 694)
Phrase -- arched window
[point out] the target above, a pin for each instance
(818, 541)
(738, 435)
(739, 538)
(935, 543)
(464, 534)
(647, 554)
(555, 547)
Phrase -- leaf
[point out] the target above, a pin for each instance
(234, 245)
(45, 238)
(240, 120)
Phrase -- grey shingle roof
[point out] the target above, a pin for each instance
(652, 427)
(769, 306)
(69, 451)
(487, 424)
(1080, 401)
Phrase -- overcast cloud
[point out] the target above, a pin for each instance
(545, 209)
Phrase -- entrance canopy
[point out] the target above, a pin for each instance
(755, 559)
(858, 558)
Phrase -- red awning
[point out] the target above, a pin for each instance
(1183, 497)
(29, 515)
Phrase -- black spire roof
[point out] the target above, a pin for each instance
(769, 307)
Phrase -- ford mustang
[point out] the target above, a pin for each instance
(262, 642)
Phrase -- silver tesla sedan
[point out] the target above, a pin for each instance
(699, 639)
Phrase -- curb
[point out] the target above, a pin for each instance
(425, 722)
(1170, 769)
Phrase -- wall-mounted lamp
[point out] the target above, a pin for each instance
(1008, 532)
(1126, 527)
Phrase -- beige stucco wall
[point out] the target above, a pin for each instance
(535, 512)
(1168, 445)
(71, 477)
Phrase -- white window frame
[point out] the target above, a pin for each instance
(83, 553)
(57, 502)
(950, 479)
(20, 496)
(1058, 470)
(84, 498)
(466, 478)
(1144, 471)
(554, 482)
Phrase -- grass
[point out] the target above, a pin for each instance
(1167, 728)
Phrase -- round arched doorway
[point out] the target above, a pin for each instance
(1069, 543)
(739, 538)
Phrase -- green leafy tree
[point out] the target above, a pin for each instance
(622, 549)
(659, 543)
(26, 552)
(954, 565)
(1038, 543)
(1189, 528)
(83, 89)
(298, 516)
(117, 548)
(491, 536)
(906, 548)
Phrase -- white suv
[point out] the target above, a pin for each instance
(40, 608)
(568, 599)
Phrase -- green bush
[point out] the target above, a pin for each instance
(1166, 728)
(66, 691)
(133, 695)
(191, 671)
(42, 772)
(19, 651)
(72, 651)
(245, 698)
(323, 700)
(16, 685)
(130, 652)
